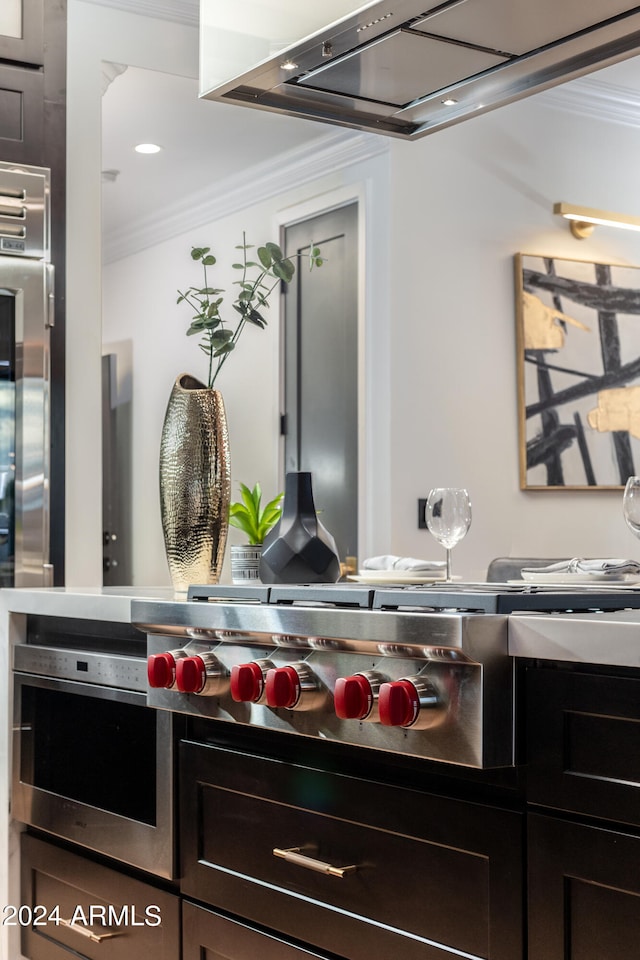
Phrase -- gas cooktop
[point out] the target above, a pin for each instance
(477, 597)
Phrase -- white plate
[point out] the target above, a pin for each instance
(538, 576)
(388, 576)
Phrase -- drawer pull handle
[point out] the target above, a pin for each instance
(296, 855)
(89, 934)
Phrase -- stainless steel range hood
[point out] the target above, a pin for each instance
(403, 67)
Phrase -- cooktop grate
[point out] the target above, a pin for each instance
(476, 597)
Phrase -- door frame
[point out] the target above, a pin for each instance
(289, 217)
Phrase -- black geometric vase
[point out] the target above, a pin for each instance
(299, 549)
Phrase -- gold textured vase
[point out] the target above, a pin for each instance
(195, 483)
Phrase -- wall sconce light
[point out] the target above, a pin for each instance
(582, 220)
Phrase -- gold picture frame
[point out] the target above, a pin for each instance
(578, 358)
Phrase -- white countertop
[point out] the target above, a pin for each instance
(601, 638)
(611, 638)
(88, 603)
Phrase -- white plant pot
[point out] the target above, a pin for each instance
(245, 562)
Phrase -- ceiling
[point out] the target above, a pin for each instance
(207, 144)
(203, 144)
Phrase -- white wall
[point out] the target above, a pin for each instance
(139, 304)
(139, 301)
(95, 34)
(464, 201)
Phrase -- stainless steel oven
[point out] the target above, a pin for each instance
(92, 763)
(26, 315)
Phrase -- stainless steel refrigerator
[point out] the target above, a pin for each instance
(26, 316)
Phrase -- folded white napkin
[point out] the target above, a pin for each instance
(389, 562)
(615, 568)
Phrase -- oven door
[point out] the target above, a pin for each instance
(26, 298)
(94, 765)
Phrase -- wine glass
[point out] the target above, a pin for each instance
(631, 504)
(448, 517)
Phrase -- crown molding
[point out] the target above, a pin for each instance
(295, 168)
(597, 100)
(178, 11)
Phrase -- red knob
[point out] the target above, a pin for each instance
(191, 674)
(353, 697)
(161, 670)
(282, 686)
(399, 703)
(247, 682)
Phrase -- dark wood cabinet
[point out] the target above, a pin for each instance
(407, 873)
(73, 908)
(21, 115)
(584, 891)
(583, 792)
(583, 737)
(22, 31)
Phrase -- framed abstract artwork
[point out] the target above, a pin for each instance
(578, 354)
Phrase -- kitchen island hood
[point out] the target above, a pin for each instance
(403, 67)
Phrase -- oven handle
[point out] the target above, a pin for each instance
(299, 857)
(89, 934)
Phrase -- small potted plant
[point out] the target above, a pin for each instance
(255, 521)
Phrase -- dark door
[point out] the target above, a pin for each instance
(321, 369)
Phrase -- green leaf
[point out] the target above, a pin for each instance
(251, 499)
(225, 348)
(238, 266)
(254, 317)
(242, 522)
(264, 256)
(284, 270)
(248, 516)
(208, 261)
(275, 251)
(220, 337)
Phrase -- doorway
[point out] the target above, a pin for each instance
(320, 420)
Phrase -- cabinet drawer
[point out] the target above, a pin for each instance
(211, 936)
(407, 873)
(116, 917)
(584, 743)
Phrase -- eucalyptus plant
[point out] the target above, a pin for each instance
(249, 516)
(259, 278)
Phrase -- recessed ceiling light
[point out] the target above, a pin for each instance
(289, 65)
(147, 148)
(449, 102)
